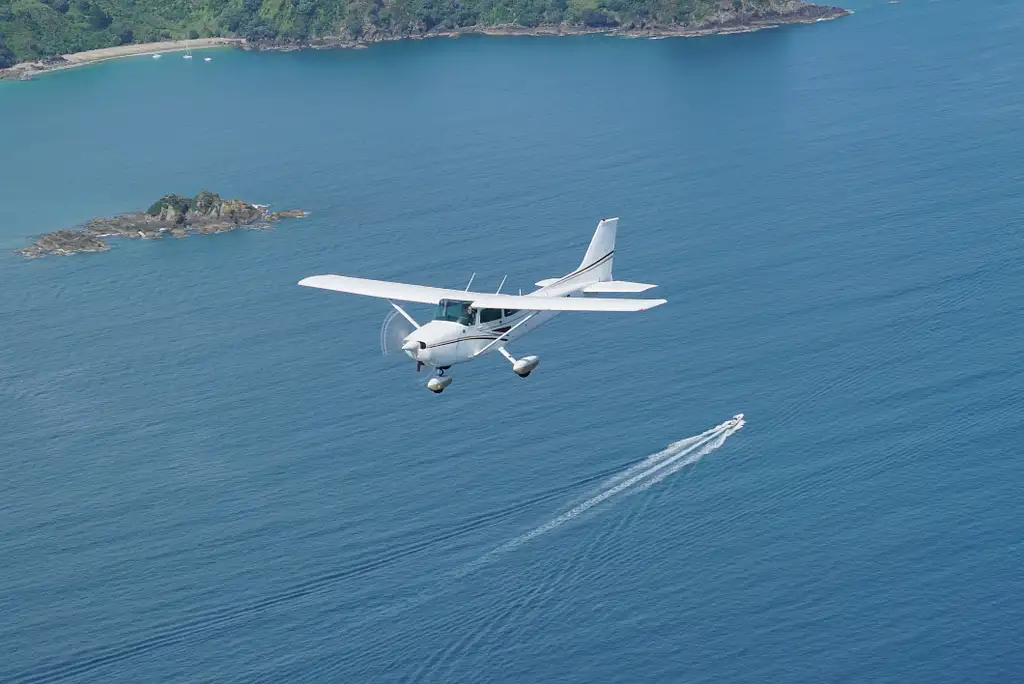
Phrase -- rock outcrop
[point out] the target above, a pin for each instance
(173, 215)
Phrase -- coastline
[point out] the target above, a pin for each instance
(733, 24)
(24, 71)
(724, 25)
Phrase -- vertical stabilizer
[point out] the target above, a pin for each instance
(598, 261)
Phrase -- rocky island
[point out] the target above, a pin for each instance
(172, 215)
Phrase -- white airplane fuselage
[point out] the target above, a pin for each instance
(443, 343)
(459, 333)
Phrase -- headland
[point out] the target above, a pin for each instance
(724, 23)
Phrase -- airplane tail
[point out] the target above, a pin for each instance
(597, 263)
(594, 276)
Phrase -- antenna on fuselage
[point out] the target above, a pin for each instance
(498, 291)
(470, 281)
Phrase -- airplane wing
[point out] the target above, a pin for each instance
(384, 289)
(431, 295)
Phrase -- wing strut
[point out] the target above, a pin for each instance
(504, 335)
(404, 314)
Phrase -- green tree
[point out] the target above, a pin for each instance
(125, 35)
(97, 17)
(597, 18)
(7, 57)
(354, 23)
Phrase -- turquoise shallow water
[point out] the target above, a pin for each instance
(210, 474)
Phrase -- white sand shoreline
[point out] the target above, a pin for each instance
(26, 70)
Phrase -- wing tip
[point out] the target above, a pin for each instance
(319, 281)
(654, 303)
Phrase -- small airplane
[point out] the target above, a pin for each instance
(468, 324)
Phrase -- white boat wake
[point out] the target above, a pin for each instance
(634, 478)
(638, 477)
(673, 449)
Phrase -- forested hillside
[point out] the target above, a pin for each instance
(30, 29)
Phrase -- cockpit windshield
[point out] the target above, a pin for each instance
(455, 311)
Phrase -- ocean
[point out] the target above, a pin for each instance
(210, 474)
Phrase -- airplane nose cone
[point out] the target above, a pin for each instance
(411, 347)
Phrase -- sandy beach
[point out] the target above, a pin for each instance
(147, 48)
(26, 70)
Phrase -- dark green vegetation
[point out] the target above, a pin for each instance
(178, 209)
(33, 29)
(174, 203)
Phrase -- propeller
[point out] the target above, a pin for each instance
(393, 330)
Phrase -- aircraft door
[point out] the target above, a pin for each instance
(488, 323)
(470, 321)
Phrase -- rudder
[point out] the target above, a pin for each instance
(598, 260)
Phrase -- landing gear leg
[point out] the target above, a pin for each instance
(521, 367)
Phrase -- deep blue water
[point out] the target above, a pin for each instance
(209, 474)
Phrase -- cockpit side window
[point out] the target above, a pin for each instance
(442, 314)
(455, 311)
(488, 315)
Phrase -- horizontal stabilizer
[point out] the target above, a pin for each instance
(533, 303)
(617, 286)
